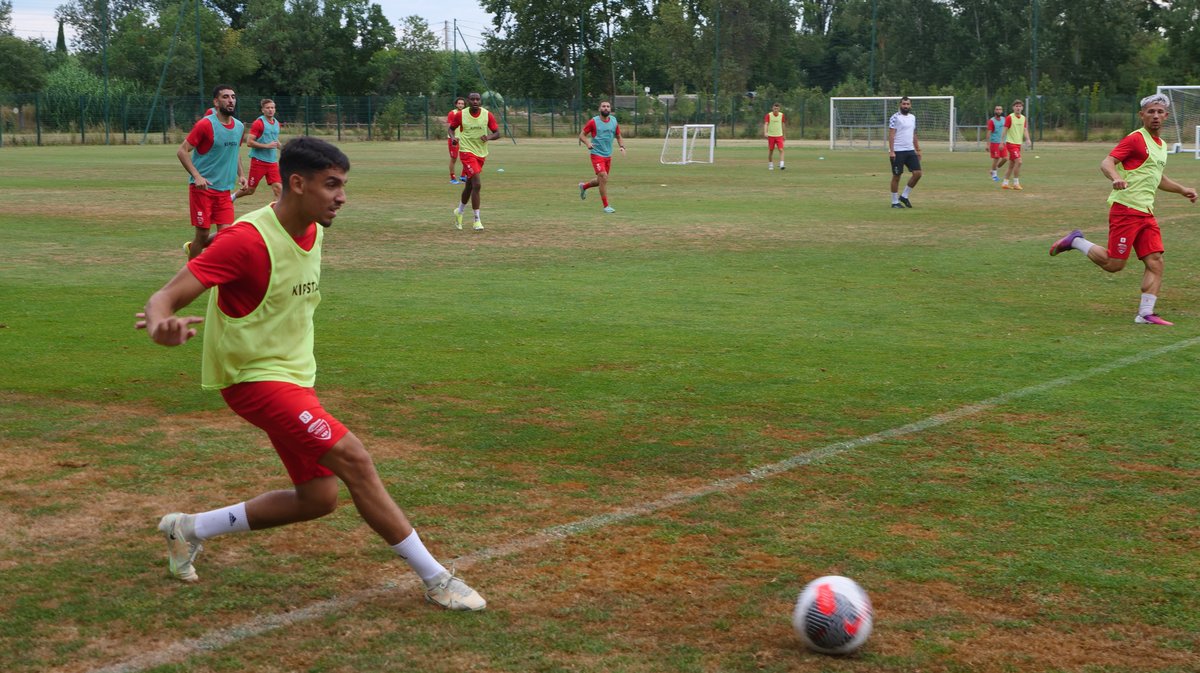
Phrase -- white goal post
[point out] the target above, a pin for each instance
(1184, 117)
(690, 141)
(862, 122)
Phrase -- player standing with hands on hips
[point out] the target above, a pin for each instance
(904, 150)
(1015, 125)
(475, 126)
(265, 272)
(773, 123)
(1135, 168)
(602, 128)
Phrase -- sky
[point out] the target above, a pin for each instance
(35, 18)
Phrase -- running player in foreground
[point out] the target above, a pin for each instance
(475, 126)
(258, 351)
(1135, 168)
(602, 128)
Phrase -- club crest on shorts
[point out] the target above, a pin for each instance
(320, 429)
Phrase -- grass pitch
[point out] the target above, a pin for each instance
(565, 364)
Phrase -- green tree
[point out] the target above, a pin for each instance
(23, 64)
(411, 65)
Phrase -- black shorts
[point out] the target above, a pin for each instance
(905, 158)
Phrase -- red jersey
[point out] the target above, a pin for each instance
(238, 261)
(201, 135)
(1132, 152)
(452, 116)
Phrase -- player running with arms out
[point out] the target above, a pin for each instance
(475, 126)
(258, 351)
(996, 150)
(210, 156)
(264, 152)
(451, 140)
(904, 149)
(1135, 168)
(773, 123)
(1014, 136)
(602, 129)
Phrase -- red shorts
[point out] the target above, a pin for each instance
(601, 164)
(452, 146)
(264, 169)
(209, 207)
(299, 427)
(1131, 229)
(774, 141)
(471, 164)
(1013, 149)
(998, 151)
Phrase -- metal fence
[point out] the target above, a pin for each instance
(47, 119)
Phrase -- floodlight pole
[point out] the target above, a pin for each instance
(104, 12)
(874, 25)
(1033, 99)
(716, 61)
(199, 55)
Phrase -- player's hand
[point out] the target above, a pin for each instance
(1120, 184)
(275, 145)
(454, 141)
(173, 331)
(622, 149)
(589, 146)
(242, 182)
(1189, 193)
(200, 183)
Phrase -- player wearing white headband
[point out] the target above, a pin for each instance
(1135, 168)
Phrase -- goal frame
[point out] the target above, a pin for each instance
(687, 141)
(888, 109)
(1177, 122)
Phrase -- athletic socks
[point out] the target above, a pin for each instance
(461, 207)
(770, 165)
(476, 215)
(231, 519)
(605, 200)
(1147, 305)
(418, 557)
(907, 191)
(781, 163)
(1083, 245)
(895, 197)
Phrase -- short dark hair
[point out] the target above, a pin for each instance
(460, 98)
(264, 102)
(1019, 102)
(219, 88)
(306, 155)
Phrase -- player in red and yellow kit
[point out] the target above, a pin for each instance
(1015, 125)
(451, 143)
(1135, 168)
(258, 351)
(773, 131)
(472, 130)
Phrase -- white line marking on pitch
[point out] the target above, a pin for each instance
(220, 638)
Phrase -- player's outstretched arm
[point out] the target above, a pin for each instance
(158, 317)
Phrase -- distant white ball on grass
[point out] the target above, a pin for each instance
(499, 170)
(833, 615)
(820, 158)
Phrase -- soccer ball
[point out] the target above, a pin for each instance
(833, 615)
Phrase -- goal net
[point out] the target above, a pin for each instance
(689, 144)
(1180, 130)
(862, 123)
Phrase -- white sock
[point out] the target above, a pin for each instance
(993, 173)
(781, 163)
(907, 191)
(476, 215)
(770, 165)
(232, 198)
(1016, 181)
(460, 207)
(418, 557)
(895, 197)
(1082, 244)
(231, 519)
(1147, 305)
(1006, 181)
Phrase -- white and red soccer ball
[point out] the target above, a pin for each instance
(833, 615)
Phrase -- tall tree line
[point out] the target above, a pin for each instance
(553, 48)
